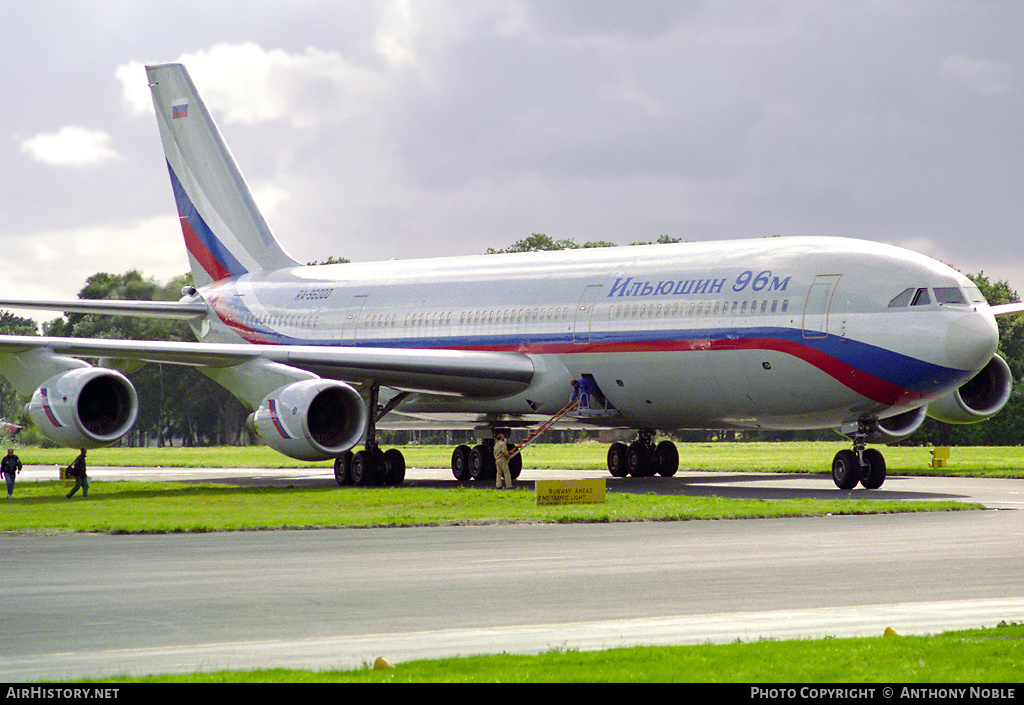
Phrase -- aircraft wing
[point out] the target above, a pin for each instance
(150, 309)
(1006, 309)
(472, 373)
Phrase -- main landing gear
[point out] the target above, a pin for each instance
(477, 463)
(372, 466)
(863, 465)
(643, 458)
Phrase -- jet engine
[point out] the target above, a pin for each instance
(895, 428)
(977, 399)
(87, 407)
(313, 419)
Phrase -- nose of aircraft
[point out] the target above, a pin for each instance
(971, 340)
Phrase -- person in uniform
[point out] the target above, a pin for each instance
(501, 463)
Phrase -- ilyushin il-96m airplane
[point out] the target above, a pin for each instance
(775, 333)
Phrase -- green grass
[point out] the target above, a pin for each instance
(798, 457)
(965, 657)
(160, 507)
(174, 507)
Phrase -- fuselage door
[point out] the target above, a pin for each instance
(350, 326)
(585, 314)
(819, 301)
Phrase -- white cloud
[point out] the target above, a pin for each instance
(113, 248)
(154, 246)
(979, 75)
(270, 197)
(71, 145)
(248, 84)
(629, 91)
(134, 90)
(396, 32)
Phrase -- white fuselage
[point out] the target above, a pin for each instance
(771, 333)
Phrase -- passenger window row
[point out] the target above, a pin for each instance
(560, 313)
(699, 308)
(426, 318)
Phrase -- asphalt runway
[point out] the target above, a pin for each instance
(84, 605)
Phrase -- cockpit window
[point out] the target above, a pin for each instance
(922, 296)
(974, 294)
(949, 295)
(903, 299)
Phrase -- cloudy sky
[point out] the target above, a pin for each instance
(375, 129)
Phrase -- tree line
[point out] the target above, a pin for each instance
(175, 402)
(179, 403)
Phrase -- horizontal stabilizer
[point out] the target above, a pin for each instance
(148, 309)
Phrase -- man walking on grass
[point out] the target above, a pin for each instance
(77, 471)
(9, 467)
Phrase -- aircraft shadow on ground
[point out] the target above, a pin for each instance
(737, 486)
(728, 485)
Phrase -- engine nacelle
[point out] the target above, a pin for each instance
(977, 399)
(887, 430)
(314, 419)
(898, 427)
(88, 407)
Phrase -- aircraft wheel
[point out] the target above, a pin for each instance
(481, 463)
(873, 475)
(639, 460)
(460, 463)
(617, 460)
(364, 469)
(845, 470)
(668, 458)
(394, 467)
(343, 469)
(515, 465)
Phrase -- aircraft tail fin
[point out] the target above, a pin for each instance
(225, 233)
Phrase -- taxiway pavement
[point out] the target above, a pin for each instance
(85, 605)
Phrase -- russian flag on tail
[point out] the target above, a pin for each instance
(179, 108)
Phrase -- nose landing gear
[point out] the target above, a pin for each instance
(863, 465)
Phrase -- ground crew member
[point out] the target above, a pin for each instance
(581, 391)
(501, 463)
